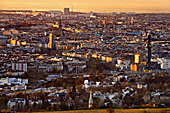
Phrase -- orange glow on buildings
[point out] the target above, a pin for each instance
(90, 5)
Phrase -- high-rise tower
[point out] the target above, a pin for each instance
(51, 43)
(90, 100)
(66, 11)
(132, 20)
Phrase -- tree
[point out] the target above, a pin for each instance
(27, 101)
(48, 108)
(30, 110)
(64, 85)
(94, 105)
(54, 107)
(80, 80)
(99, 102)
(128, 100)
(90, 73)
(52, 52)
(52, 82)
(35, 105)
(108, 101)
(73, 93)
(19, 95)
(79, 87)
(97, 73)
(110, 110)
(4, 99)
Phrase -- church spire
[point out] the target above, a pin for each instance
(90, 100)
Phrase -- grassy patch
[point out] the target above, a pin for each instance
(159, 110)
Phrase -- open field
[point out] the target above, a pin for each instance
(160, 110)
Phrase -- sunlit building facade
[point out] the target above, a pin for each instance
(51, 43)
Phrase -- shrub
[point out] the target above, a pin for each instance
(144, 111)
(30, 110)
(110, 110)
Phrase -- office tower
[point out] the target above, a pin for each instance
(51, 43)
(66, 11)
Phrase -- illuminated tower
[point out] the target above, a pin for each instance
(149, 51)
(137, 58)
(90, 100)
(51, 43)
(132, 20)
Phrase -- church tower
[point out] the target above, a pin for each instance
(90, 100)
(131, 20)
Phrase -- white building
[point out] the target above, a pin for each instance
(10, 81)
(4, 81)
(18, 102)
(165, 63)
(91, 84)
(90, 100)
(21, 66)
(52, 77)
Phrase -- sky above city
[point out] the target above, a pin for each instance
(152, 6)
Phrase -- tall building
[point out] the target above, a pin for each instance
(3, 40)
(134, 67)
(51, 43)
(66, 11)
(149, 51)
(90, 100)
(137, 58)
(132, 20)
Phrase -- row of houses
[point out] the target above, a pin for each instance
(103, 57)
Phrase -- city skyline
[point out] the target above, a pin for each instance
(62, 61)
(139, 6)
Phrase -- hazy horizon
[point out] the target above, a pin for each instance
(139, 6)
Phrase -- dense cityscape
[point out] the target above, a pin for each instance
(54, 60)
